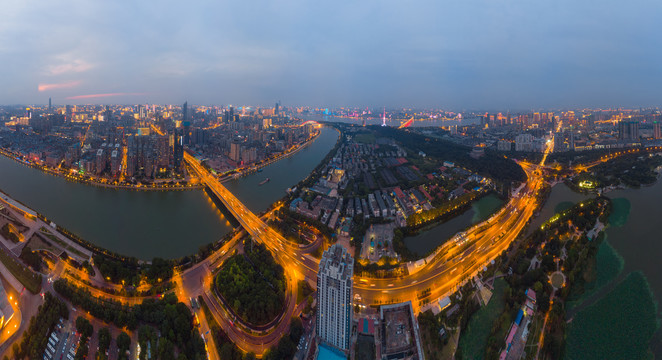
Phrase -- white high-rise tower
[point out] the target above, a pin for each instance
(334, 293)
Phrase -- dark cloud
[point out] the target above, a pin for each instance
(459, 54)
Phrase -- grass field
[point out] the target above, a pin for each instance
(37, 243)
(64, 244)
(474, 338)
(364, 138)
(29, 279)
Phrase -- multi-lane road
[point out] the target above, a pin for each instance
(453, 263)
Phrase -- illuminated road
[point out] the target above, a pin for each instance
(453, 264)
(198, 280)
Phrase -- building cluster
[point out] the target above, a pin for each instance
(146, 142)
(249, 140)
(394, 331)
(519, 329)
(378, 181)
(579, 130)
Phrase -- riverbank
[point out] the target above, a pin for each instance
(92, 181)
(425, 240)
(278, 157)
(154, 186)
(148, 224)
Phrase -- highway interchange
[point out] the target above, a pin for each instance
(452, 265)
(440, 275)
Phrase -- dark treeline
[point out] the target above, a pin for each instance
(492, 165)
(173, 319)
(35, 338)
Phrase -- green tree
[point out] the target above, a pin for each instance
(84, 327)
(123, 344)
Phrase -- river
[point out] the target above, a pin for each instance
(148, 224)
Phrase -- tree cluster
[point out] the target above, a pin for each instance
(9, 235)
(556, 234)
(173, 319)
(104, 343)
(253, 284)
(31, 258)
(85, 330)
(36, 336)
(492, 164)
(130, 272)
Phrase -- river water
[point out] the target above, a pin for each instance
(148, 224)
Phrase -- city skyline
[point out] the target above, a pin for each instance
(373, 54)
(330, 181)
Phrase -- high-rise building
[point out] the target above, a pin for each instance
(142, 112)
(276, 109)
(235, 151)
(178, 149)
(657, 132)
(524, 142)
(334, 292)
(628, 130)
(50, 104)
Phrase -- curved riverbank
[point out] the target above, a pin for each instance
(147, 224)
(155, 186)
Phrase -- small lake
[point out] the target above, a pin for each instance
(428, 240)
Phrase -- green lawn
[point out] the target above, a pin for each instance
(64, 245)
(474, 338)
(29, 279)
(364, 138)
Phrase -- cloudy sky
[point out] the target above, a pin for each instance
(460, 54)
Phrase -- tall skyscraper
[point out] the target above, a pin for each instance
(628, 130)
(68, 113)
(185, 111)
(657, 132)
(142, 112)
(276, 109)
(235, 151)
(178, 149)
(50, 104)
(334, 292)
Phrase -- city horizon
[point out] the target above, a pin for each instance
(343, 180)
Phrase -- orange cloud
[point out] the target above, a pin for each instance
(94, 96)
(56, 86)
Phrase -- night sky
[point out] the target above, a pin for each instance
(457, 55)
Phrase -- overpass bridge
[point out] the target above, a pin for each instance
(451, 267)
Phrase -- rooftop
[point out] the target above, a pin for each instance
(328, 353)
